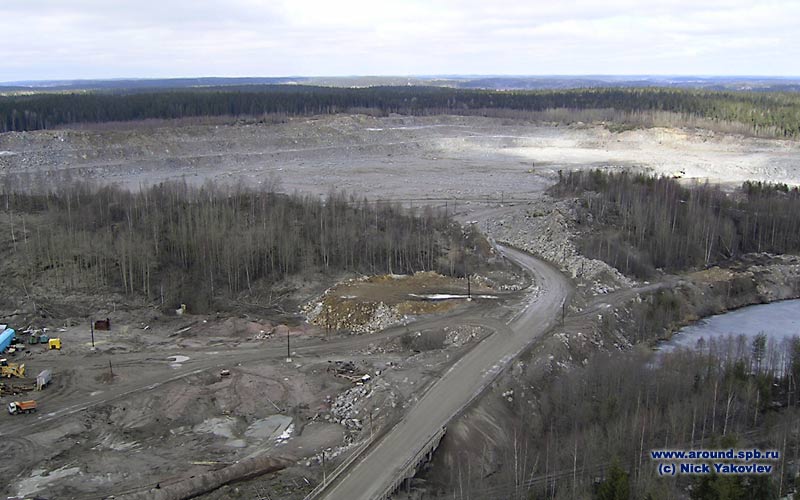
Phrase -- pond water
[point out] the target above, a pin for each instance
(780, 321)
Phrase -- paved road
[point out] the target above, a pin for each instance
(460, 385)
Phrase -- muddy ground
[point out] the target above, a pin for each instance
(163, 412)
(162, 399)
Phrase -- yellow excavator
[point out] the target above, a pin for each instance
(9, 370)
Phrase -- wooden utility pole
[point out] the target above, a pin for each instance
(288, 348)
(466, 273)
(327, 321)
(324, 475)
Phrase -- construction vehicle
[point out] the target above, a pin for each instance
(9, 370)
(15, 407)
(43, 379)
(55, 344)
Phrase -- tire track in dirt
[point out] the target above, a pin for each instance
(63, 405)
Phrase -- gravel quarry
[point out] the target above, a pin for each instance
(396, 157)
(167, 412)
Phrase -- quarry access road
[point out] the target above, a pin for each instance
(386, 461)
(83, 392)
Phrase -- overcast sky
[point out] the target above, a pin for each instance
(71, 39)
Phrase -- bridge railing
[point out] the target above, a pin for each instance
(409, 468)
(360, 448)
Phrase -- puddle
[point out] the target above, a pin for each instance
(223, 427)
(275, 428)
(448, 296)
(219, 426)
(37, 481)
(177, 361)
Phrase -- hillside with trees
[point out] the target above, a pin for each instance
(594, 427)
(175, 243)
(641, 222)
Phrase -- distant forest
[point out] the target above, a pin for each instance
(641, 222)
(774, 114)
(175, 243)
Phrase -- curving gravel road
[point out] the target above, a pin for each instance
(466, 379)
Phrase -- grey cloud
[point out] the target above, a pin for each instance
(96, 39)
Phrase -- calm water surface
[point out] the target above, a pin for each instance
(779, 321)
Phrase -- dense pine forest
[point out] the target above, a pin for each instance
(648, 222)
(173, 242)
(773, 114)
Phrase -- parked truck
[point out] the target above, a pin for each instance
(15, 407)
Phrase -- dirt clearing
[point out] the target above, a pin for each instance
(370, 304)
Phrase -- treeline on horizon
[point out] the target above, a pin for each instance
(174, 243)
(774, 114)
(639, 222)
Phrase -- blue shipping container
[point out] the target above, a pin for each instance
(5, 338)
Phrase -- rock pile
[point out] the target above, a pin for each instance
(345, 410)
(463, 334)
(356, 317)
(545, 228)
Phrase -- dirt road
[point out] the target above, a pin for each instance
(66, 403)
(465, 380)
(83, 392)
(147, 377)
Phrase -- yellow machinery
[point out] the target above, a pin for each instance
(55, 344)
(9, 370)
